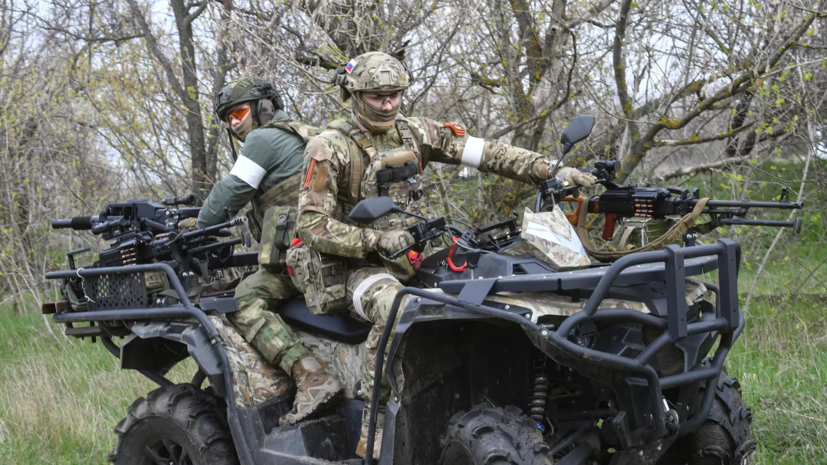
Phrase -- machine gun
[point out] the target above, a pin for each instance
(656, 202)
(145, 232)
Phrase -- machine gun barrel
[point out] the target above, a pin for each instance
(78, 223)
(753, 204)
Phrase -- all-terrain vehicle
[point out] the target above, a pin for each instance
(513, 347)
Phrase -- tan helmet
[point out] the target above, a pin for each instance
(372, 71)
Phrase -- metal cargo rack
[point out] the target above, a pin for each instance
(670, 266)
(122, 294)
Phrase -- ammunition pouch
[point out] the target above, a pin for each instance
(253, 224)
(320, 277)
(278, 229)
(393, 173)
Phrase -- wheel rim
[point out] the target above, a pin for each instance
(164, 450)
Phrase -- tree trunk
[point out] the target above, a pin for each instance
(195, 126)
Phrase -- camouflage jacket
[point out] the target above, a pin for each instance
(326, 194)
(268, 157)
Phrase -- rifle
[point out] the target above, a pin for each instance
(619, 202)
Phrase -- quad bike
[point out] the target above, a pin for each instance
(512, 347)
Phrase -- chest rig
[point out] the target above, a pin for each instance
(274, 213)
(286, 192)
(392, 171)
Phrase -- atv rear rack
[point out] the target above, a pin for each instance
(670, 266)
(184, 310)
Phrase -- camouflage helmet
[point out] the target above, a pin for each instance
(248, 89)
(372, 71)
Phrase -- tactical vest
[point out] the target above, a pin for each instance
(275, 212)
(286, 192)
(393, 173)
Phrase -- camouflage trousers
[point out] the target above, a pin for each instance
(375, 290)
(258, 295)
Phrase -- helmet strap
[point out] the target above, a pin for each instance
(254, 113)
(232, 144)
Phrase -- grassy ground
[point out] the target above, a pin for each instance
(60, 400)
(781, 360)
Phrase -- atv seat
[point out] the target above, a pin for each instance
(340, 327)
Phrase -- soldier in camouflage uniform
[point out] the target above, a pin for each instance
(267, 173)
(378, 152)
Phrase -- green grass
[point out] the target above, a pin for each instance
(60, 400)
(781, 361)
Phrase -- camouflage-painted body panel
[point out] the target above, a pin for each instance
(550, 237)
(550, 304)
(254, 380)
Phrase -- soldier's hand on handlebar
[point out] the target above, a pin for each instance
(394, 241)
(576, 178)
(579, 178)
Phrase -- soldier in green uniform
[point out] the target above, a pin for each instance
(378, 152)
(267, 172)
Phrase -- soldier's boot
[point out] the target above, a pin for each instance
(362, 446)
(314, 388)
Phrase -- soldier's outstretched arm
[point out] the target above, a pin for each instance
(326, 172)
(450, 143)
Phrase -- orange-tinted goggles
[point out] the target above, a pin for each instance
(238, 113)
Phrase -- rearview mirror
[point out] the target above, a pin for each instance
(578, 130)
(369, 210)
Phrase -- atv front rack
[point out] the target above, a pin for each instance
(670, 266)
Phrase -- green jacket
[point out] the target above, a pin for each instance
(268, 157)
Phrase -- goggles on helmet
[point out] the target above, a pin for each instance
(239, 113)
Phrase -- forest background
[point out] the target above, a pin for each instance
(106, 100)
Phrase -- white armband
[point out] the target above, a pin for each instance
(248, 171)
(472, 153)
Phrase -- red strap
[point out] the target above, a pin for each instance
(450, 262)
(415, 258)
(296, 242)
